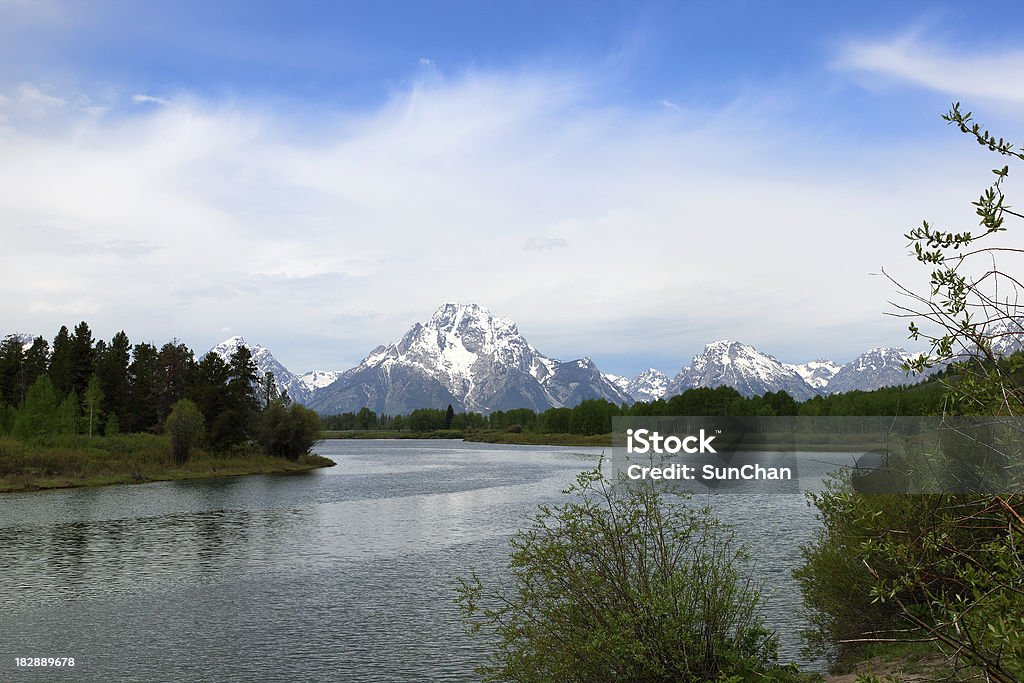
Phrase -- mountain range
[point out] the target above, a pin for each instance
(300, 388)
(468, 357)
(474, 360)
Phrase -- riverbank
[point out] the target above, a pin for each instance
(488, 436)
(841, 443)
(75, 461)
(900, 663)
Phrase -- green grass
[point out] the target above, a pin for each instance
(540, 438)
(67, 461)
(392, 434)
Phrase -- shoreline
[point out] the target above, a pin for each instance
(81, 462)
(55, 483)
(565, 439)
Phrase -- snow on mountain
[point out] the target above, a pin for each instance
(25, 339)
(879, 367)
(470, 358)
(1007, 336)
(318, 379)
(265, 362)
(620, 381)
(649, 385)
(817, 373)
(573, 382)
(741, 367)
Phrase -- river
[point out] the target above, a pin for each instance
(340, 574)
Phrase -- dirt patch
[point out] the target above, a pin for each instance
(904, 670)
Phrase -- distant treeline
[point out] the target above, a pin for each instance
(595, 416)
(79, 385)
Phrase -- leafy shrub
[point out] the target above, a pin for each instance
(288, 431)
(941, 568)
(621, 583)
(184, 426)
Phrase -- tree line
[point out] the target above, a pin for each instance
(80, 385)
(595, 416)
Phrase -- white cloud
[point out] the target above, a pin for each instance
(191, 218)
(993, 75)
(149, 99)
(30, 94)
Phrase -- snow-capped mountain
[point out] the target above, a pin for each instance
(620, 381)
(265, 362)
(649, 385)
(741, 367)
(318, 379)
(817, 373)
(879, 367)
(24, 339)
(573, 382)
(469, 358)
(1007, 336)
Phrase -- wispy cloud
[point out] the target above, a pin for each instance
(149, 99)
(544, 243)
(204, 215)
(914, 58)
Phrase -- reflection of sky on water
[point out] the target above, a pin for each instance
(324, 575)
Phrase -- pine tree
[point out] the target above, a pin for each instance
(208, 390)
(83, 358)
(36, 358)
(268, 391)
(143, 390)
(12, 369)
(115, 378)
(242, 385)
(59, 367)
(174, 368)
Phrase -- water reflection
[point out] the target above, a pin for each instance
(340, 574)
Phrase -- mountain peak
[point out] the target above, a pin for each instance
(649, 385)
(458, 317)
(229, 345)
(742, 367)
(466, 356)
(265, 362)
(887, 351)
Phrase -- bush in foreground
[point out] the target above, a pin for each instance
(621, 583)
(288, 430)
(185, 427)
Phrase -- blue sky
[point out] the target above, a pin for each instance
(626, 180)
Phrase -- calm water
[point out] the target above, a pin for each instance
(343, 574)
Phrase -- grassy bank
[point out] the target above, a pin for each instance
(540, 439)
(392, 434)
(68, 461)
(752, 442)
